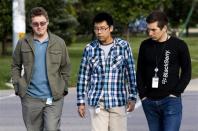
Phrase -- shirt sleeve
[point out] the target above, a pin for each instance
(140, 73)
(83, 78)
(131, 74)
(16, 66)
(186, 69)
(65, 66)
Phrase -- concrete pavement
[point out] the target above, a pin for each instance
(193, 85)
(11, 115)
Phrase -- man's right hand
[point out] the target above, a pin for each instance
(144, 98)
(81, 110)
(16, 93)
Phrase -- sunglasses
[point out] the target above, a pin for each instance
(36, 24)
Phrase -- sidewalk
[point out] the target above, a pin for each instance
(11, 113)
(193, 85)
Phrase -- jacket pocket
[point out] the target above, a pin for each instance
(27, 55)
(22, 87)
(58, 86)
(55, 56)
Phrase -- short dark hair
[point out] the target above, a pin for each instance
(38, 11)
(158, 16)
(103, 16)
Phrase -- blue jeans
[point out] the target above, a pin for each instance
(164, 114)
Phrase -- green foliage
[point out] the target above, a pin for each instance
(5, 23)
(69, 18)
(123, 11)
(178, 11)
(6, 16)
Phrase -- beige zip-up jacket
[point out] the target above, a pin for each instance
(57, 62)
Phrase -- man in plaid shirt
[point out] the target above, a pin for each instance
(107, 77)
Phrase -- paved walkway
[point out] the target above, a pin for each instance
(11, 115)
(193, 85)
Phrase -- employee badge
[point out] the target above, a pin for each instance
(155, 79)
(97, 110)
(49, 101)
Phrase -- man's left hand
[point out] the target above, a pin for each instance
(130, 106)
(65, 93)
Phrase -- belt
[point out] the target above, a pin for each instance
(101, 100)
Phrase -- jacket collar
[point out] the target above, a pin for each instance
(29, 39)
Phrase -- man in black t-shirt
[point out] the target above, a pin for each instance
(163, 72)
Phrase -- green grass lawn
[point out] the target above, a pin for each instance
(76, 50)
(5, 73)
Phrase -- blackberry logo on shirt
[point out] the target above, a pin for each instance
(166, 63)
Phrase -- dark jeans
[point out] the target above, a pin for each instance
(164, 114)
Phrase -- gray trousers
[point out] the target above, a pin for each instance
(39, 116)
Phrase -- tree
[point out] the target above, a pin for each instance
(5, 23)
(182, 15)
(123, 11)
(178, 12)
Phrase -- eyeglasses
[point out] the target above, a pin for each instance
(102, 29)
(36, 24)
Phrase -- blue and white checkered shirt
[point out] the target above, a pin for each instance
(114, 76)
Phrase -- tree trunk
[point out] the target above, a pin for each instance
(187, 30)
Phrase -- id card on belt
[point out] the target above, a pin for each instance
(49, 101)
(155, 81)
(97, 110)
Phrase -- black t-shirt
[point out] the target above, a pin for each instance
(172, 58)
